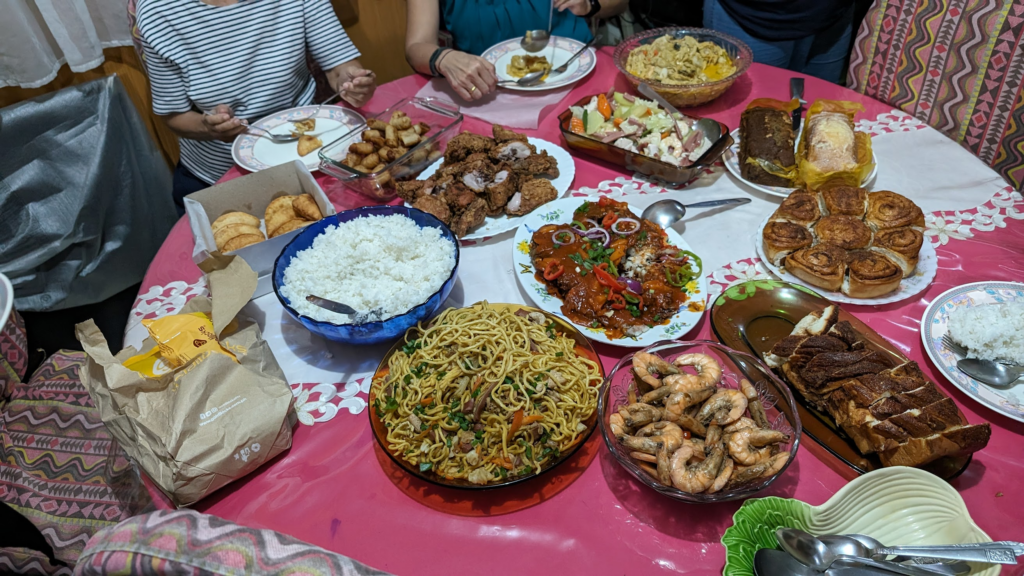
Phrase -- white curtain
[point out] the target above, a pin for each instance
(37, 37)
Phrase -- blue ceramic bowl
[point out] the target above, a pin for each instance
(371, 332)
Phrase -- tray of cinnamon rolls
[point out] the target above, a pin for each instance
(851, 245)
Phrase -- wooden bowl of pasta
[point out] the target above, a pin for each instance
(486, 396)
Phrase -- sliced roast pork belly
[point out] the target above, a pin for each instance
(845, 332)
(811, 348)
(956, 441)
(817, 323)
(830, 366)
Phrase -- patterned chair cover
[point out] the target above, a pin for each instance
(59, 467)
(187, 542)
(953, 64)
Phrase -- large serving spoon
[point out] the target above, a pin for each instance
(537, 40)
(867, 547)
(813, 553)
(665, 213)
(987, 552)
(992, 373)
(712, 130)
(769, 562)
(531, 79)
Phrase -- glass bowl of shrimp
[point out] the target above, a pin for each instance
(698, 421)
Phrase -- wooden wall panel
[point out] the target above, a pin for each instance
(379, 33)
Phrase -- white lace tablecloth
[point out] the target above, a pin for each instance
(959, 194)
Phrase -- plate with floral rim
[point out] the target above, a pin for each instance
(1009, 402)
(558, 50)
(255, 153)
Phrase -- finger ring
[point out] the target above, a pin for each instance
(472, 89)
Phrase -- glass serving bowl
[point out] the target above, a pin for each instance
(444, 119)
(685, 95)
(370, 332)
(778, 402)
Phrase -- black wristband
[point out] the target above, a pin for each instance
(595, 7)
(433, 61)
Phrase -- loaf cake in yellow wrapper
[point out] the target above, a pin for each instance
(830, 150)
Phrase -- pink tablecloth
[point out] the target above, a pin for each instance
(332, 490)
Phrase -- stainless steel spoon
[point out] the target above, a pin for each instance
(665, 213)
(537, 40)
(531, 79)
(712, 130)
(769, 562)
(813, 553)
(331, 305)
(864, 546)
(988, 552)
(992, 373)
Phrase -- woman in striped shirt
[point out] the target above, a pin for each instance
(215, 65)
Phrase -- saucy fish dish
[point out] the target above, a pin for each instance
(612, 270)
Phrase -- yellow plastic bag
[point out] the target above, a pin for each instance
(182, 337)
(809, 174)
(150, 364)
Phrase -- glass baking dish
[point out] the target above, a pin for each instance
(638, 162)
(444, 119)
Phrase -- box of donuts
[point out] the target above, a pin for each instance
(256, 216)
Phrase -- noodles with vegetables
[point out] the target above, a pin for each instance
(484, 394)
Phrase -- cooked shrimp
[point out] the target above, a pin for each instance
(650, 368)
(740, 424)
(637, 415)
(618, 426)
(708, 369)
(714, 437)
(695, 478)
(657, 394)
(726, 407)
(688, 422)
(644, 457)
(723, 476)
(653, 437)
(766, 469)
(678, 402)
(754, 403)
(743, 445)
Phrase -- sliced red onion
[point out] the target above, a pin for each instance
(600, 233)
(634, 286)
(615, 226)
(592, 222)
(554, 238)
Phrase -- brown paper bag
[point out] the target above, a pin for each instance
(209, 422)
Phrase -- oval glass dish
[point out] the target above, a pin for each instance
(370, 332)
(778, 402)
(636, 161)
(686, 95)
(583, 346)
(442, 116)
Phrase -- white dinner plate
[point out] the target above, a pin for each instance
(255, 153)
(560, 212)
(732, 163)
(558, 50)
(1009, 402)
(497, 224)
(927, 266)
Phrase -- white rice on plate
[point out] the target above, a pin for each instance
(990, 331)
(382, 266)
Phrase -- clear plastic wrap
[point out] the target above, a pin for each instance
(813, 177)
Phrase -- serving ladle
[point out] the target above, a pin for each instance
(665, 213)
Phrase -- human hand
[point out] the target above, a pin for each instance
(577, 7)
(221, 123)
(470, 76)
(358, 86)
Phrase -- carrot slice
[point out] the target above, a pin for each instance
(517, 422)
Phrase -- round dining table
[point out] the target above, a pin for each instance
(335, 488)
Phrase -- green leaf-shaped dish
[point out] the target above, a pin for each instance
(898, 506)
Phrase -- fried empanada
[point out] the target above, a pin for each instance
(242, 241)
(289, 226)
(235, 218)
(279, 211)
(225, 233)
(308, 144)
(306, 207)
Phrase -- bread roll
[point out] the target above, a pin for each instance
(887, 210)
(901, 245)
(822, 265)
(800, 207)
(871, 275)
(783, 238)
(844, 200)
(846, 232)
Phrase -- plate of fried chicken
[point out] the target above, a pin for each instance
(485, 185)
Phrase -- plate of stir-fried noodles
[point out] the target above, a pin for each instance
(486, 396)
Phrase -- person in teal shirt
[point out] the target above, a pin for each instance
(476, 25)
